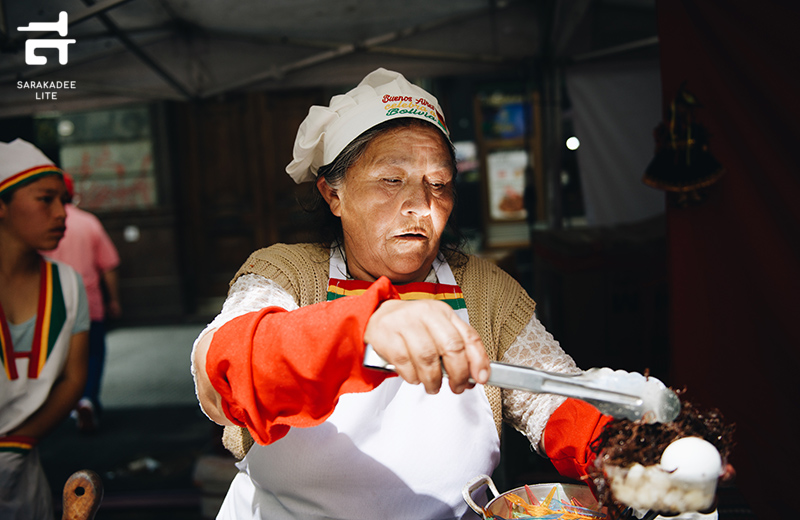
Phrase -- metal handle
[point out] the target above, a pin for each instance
(374, 360)
(529, 379)
(474, 484)
(662, 404)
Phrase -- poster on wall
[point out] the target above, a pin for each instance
(109, 153)
(467, 162)
(506, 184)
(112, 176)
(505, 117)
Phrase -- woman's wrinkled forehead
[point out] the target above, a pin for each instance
(396, 147)
(399, 146)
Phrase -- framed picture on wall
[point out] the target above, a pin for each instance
(505, 118)
(110, 154)
(506, 184)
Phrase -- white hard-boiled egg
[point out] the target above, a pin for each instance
(692, 459)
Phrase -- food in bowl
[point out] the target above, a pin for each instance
(558, 504)
(670, 468)
(684, 480)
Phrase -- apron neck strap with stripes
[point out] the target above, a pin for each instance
(51, 312)
(445, 289)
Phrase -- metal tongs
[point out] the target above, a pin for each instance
(620, 394)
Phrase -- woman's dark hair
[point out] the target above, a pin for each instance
(329, 226)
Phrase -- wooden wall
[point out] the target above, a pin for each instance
(231, 192)
(149, 275)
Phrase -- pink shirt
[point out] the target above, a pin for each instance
(88, 249)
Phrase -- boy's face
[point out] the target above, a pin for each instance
(35, 215)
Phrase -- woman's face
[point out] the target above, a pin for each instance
(35, 216)
(394, 204)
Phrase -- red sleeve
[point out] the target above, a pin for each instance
(276, 369)
(568, 435)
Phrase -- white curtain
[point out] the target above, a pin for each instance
(615, 107)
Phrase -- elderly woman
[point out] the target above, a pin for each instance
(283, 360)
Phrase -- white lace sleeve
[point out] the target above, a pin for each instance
(526, 411)
(250, 292)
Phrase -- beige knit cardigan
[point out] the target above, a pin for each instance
(498, 307)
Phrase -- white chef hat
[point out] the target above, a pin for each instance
(21, 162)
(382, 95)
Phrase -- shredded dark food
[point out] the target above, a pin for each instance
(624, 442)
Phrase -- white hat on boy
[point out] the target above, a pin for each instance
(21, 163)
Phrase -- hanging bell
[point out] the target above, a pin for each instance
(683, 163)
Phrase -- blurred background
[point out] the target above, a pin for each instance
(631, 162)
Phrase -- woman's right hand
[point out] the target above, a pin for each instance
(422, 336)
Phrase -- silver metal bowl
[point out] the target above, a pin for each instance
(498, 506)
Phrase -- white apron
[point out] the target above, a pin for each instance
(25, 384)
(395, 452)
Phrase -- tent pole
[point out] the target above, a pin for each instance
(551, 120)
(373, 44)
(139, 53)
(552, 140)
(617, 49)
